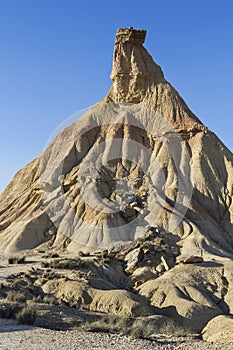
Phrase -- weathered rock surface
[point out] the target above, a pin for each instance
(133, 258)
(143, 274)
(114, 301)
(54, 197)
(138, 163)
(190, 259)
(190, 294)
(219, 329)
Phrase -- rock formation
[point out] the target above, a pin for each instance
(138, 172)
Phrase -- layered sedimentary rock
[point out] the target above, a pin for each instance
(136, 164)
(138, 159)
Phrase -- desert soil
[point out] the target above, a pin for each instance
(13, 336)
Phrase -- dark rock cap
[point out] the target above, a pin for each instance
(132, 35)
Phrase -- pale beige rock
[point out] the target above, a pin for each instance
(133, 258)
(114, 301)
(52, 197)
(188, 294)
(143, 274)
(119, 302)
(190, 259)
(138, 159)
(164, 263)
(219, 330)
(160, 268)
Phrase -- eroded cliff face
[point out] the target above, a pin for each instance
(140, 175)
(138, 79)
(138, 159)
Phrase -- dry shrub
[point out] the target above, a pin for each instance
(140, 329)
(172, 328)
(107, 323)
(27, 315)
(16, 259)
(16, 296)
(68, 264)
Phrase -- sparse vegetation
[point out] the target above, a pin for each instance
(140, 329)
(27, 315)
(2, 285)
(16, 260)
(16, 296)
(63, 263)
(107, 323)
(51, 300)
(51, 255)
(44, 264)
(136, 328)
(20, 282)
(172, 328)
(9, 310)
(80, 254)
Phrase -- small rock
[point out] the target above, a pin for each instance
(191, 259)
(129, 212)
(164, 263)
(143, 274)
(133, 258)
(160, 268)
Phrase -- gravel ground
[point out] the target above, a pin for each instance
(13, 336)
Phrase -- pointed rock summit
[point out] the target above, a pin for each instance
(138, 79)
(138, 159)
(134, 71)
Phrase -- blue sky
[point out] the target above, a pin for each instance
(56, 57)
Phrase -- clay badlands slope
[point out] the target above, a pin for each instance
(138, 164)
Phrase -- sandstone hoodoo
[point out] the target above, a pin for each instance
(140, 177)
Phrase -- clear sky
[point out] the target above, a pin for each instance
(56, 55)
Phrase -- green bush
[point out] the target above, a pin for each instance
(80, 254)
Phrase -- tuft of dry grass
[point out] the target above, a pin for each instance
(172, 328)
(66, 264)
(51, 300)
(27, 315)
(107, 323)
(16, 296)
(140, 329)
(51, 255)
(136, 328)
(16, 260)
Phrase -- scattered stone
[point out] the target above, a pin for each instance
(190, 259)
(133, 258)
(128, 212)
(164, 263)
(143, 274)
(219, 329)
(160, 268)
